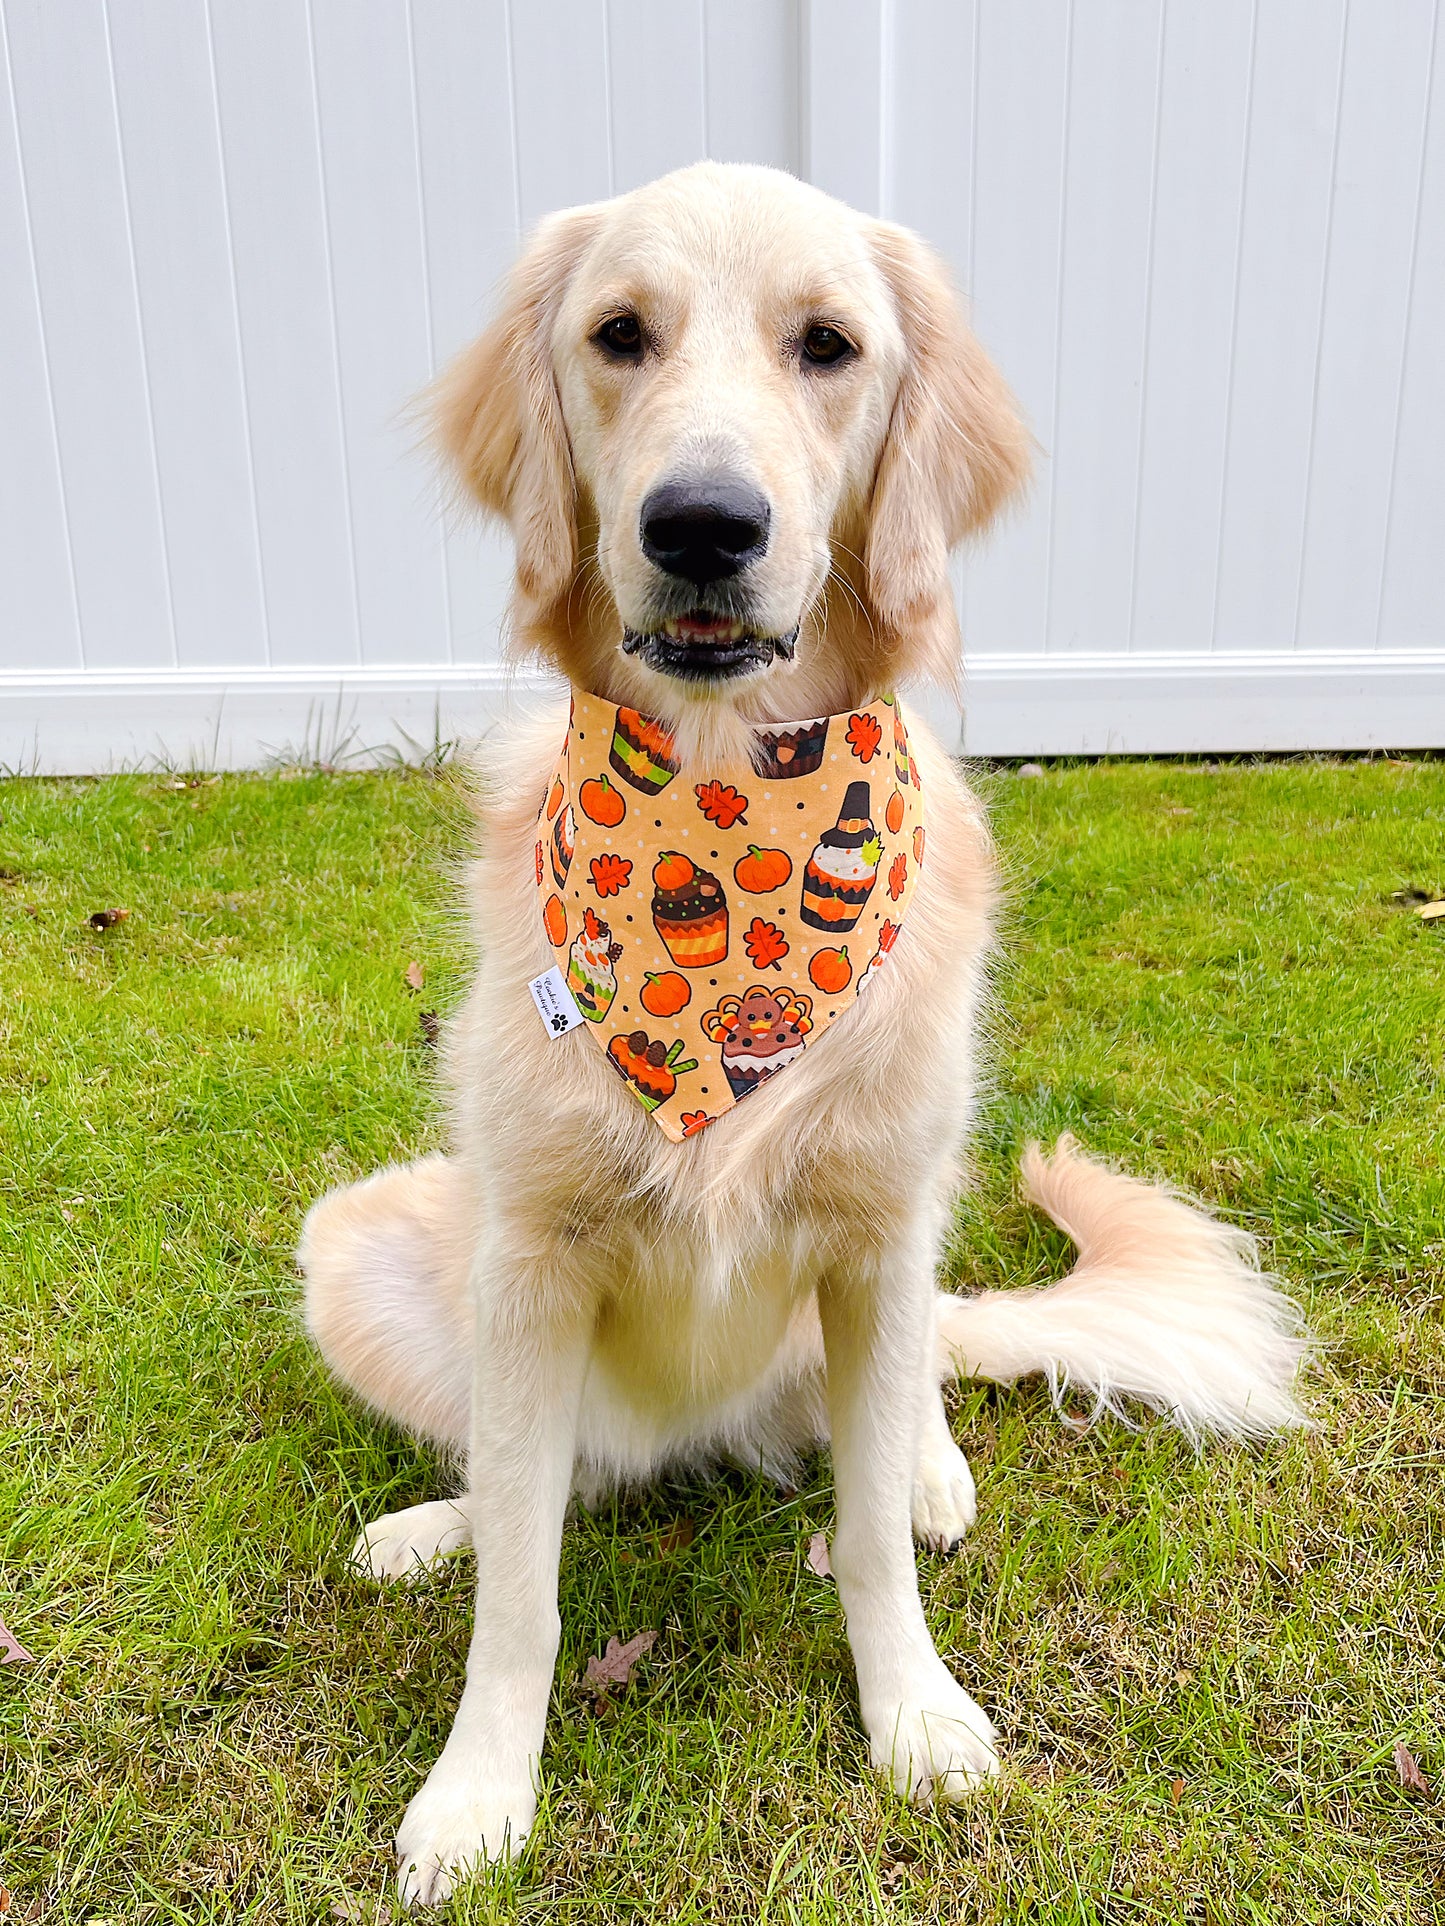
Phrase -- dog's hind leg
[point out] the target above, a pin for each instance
(406, 1544)
(387, 1301)
(388, 1305)
(944, 1505)
(943, 1502)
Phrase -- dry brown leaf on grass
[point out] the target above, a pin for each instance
(105, 919)
(818, 1555)
(1431, 912)
(1408, 1768)
(12, 1652)
(678, 1536)
(415, 977)
(616, 1663)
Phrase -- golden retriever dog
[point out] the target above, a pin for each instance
(735, 429)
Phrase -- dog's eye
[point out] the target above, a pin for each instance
(621, 336)
(824, 346)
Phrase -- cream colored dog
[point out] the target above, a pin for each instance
(735, 429)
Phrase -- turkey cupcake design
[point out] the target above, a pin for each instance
(712, 922)
(760, 1033)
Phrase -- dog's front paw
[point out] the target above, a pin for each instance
(406, 1544)
(935, 1740)
(944, 1504)
(458, 1821)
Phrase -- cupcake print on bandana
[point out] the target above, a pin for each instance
(689, 911)
(713, 925)
(843, 868)
(589, 967)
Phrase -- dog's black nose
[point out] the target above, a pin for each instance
(705, 529)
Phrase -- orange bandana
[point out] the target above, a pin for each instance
(709, 932)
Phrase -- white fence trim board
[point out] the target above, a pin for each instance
(1015, 705)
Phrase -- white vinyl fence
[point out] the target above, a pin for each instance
(1205, 239)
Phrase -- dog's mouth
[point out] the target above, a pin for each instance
(699, 647)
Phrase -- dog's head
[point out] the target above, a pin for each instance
(736, 429)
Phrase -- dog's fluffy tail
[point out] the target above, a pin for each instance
(1165, 1306)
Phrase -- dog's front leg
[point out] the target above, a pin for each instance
(923, 1728)
(531, 1360)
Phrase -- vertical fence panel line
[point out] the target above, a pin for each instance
(1234, 322)
(240, 334)
(511, 58)
(41, 333)
(145, 372)
(802, 17)
(964, 576)
(431, 340)
(607, 98)
(335, 332)
(702, 61)
(1148, 323)
(1406, 332)
(1058, 327)
(976, 37)
(885, 108)
(1304, 533)
(504, 620)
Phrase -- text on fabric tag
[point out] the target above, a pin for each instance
(554, 1002)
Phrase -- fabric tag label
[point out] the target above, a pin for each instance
(554, 1002)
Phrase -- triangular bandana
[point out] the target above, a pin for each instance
(710, 931)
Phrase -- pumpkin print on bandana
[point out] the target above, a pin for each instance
(715, 922)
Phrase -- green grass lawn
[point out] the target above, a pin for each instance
(1201, 1665)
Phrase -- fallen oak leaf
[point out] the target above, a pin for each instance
(12, 1652)
(415, 977)
(616, 1663)
(105, 919)
(818, 1557)
(1409, 1773)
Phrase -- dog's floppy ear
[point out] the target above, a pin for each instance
(497, 417)
(956, 452)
